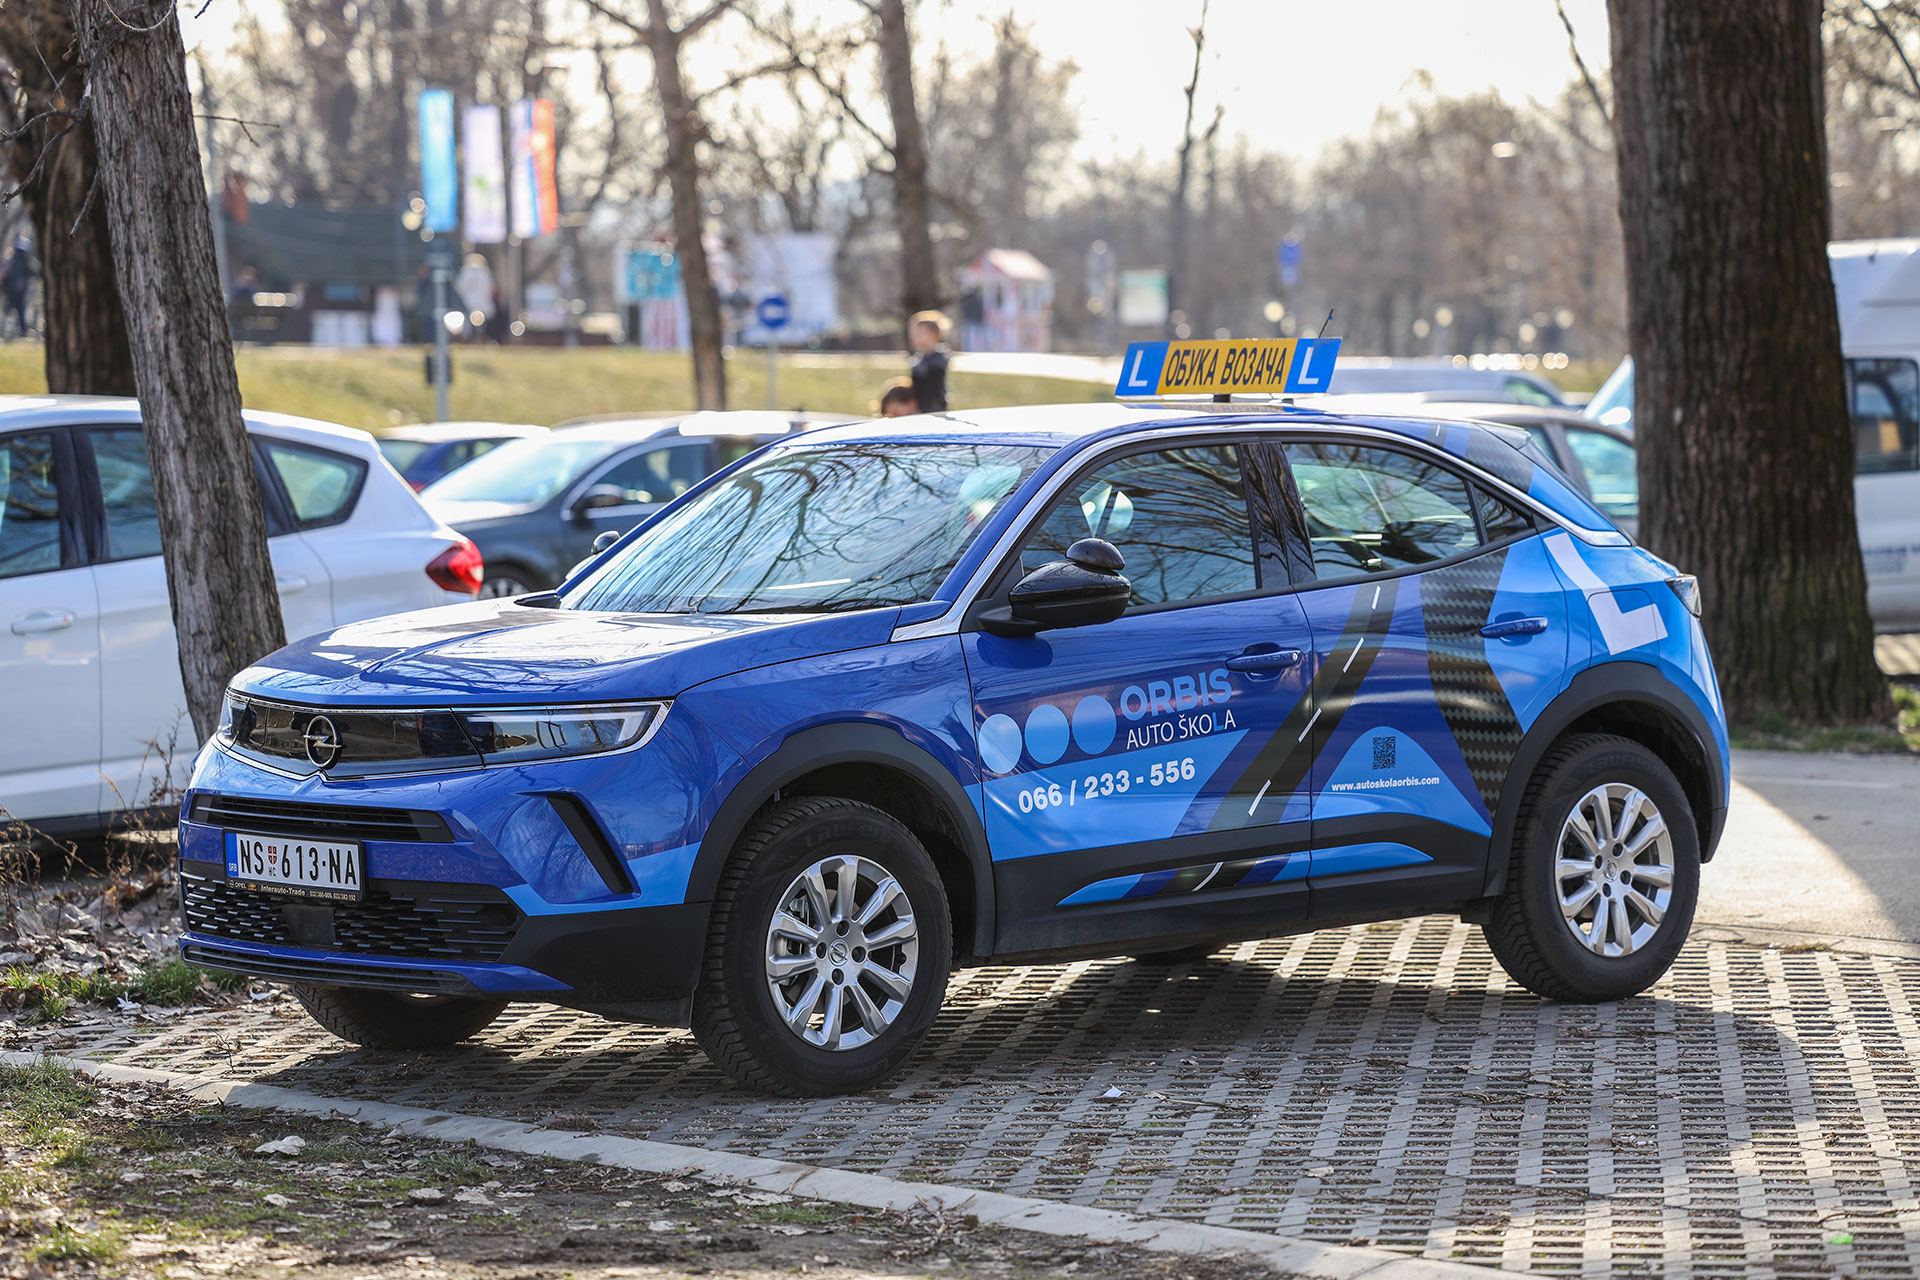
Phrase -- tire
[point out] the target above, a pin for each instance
(510, 581)
(1580, 956)
(385, 1020)
(755, 974)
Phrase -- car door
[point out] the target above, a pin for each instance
(49, 634)
(1439, 630)
(647, 478)
(1884, 395)
(1135, 775)
(146, 742)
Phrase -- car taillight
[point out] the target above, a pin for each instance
(458, 568)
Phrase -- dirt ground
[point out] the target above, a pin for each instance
(119, 1180)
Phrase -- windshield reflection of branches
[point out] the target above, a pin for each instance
(820, 529)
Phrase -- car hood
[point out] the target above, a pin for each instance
(495, 651)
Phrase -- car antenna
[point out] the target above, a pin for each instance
(1325, 323)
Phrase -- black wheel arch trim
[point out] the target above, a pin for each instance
(1623, 681)
(825, 746)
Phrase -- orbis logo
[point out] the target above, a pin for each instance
(1094, 722)
(1182, 693)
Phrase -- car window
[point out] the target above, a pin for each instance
(1525, 391)
(658, 475)
(321, 485)
(1612, 475)
(1374, 510)
(1884, 397)
(401, 453)
(479, 447)
(1499, 520)
(524, 472)
(29, 505)
(126, 492)
(1179, 517)
(813, 529)
(1540, 437)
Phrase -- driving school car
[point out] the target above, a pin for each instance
(1020, 684)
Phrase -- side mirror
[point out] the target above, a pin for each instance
(599, 496)
(1084, 589)
(607, 539)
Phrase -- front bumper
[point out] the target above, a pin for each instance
(474, 888)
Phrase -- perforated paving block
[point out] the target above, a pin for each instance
(1757, 1114)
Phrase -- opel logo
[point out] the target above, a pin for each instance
(838, 953)
(323, 742)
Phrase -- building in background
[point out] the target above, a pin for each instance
(1006, 302)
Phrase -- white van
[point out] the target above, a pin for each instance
(1877, 283)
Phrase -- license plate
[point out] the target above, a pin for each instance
(333, 870)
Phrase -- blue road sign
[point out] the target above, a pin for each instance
(773, 311)
(1289, 255)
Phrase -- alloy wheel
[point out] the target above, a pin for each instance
(841, 953)
(1613, 869)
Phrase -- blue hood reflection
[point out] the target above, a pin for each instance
(504, 651)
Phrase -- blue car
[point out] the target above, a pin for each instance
(1018, 685)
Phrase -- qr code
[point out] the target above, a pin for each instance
(1384, 750)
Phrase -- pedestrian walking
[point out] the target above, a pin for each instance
(927, 332)
(16, 281)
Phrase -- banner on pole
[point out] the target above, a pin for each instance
(486, 177)
(535, 194)
(439, 183)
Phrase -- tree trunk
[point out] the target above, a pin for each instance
(706, 331)
(86, 332)
(213, 537)
(912, 208)
(1177, 223)
(1746, 452)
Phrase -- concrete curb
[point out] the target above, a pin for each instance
(1103, 1226)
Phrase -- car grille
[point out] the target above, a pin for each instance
(328, 972)
(429, 926)
(340, 821)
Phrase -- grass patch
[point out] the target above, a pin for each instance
(64, 1244)
(381, 388)
(1775, 732)
(47, 996)
(174, 982)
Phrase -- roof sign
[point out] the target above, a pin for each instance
(1273, 366)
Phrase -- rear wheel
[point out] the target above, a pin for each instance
(388, 1020)
(828, 953)
(1605, 874)
(508, 581)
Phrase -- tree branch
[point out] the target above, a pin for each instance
(694, 26)
(1573, 48)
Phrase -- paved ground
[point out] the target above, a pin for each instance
(1757, 1114)
(1820, 845)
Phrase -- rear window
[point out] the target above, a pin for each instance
(1883, 396)
(321, 485)
(402, 453)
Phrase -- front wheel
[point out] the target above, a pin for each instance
(828, 952)
(1605, 874)
(386, 1020)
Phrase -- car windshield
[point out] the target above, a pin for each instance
(810, 529)
(1612, 404)
(401, 453)
(522, 472)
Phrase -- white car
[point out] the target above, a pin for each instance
(90, 685)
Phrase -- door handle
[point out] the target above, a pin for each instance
(1514, 627)
(43, 620)
(1272, 660)
(292, 583)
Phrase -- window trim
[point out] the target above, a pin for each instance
(70, 491)
(993, 591)
(1474, 484)
(347, 508)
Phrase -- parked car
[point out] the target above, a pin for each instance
(423, 452)
(1033, 683)
(1379, 375)
(535, 506)
(88, 658)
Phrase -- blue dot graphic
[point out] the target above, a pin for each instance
(1000, 744)
(1047, 733)
(1093, 724)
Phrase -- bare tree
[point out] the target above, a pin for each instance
(1177, 223)
(51, 161)
(685, 132)
(213, 537)
(1746, 452)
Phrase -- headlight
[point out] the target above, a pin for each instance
(512, 735)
